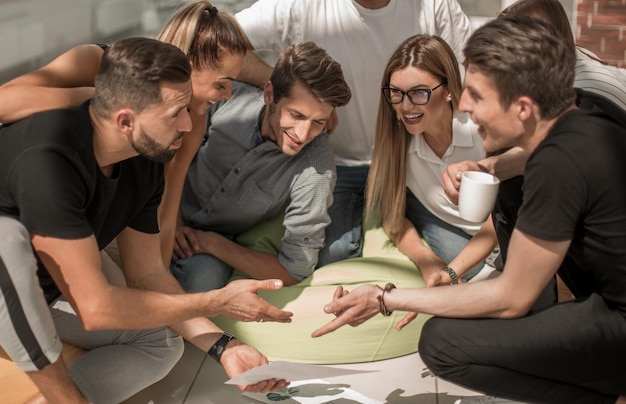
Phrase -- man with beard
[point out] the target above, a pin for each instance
(265, 154)
(72, 180)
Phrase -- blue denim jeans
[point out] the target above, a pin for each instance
(443, 238)
(201, 272)
(344, 234)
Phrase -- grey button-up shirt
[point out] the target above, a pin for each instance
(238, 180)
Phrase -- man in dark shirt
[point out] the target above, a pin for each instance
(70, 182)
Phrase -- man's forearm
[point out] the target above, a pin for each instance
(509, 295)
(506, 165)
(256, 264)
(477, 249)
(200, 331)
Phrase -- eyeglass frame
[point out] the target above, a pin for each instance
(406, 93)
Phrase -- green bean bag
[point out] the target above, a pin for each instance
(376, 339)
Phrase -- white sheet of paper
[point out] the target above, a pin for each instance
(290, 371)
(62, 305)
(315, 391)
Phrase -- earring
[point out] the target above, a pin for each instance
(449, 98)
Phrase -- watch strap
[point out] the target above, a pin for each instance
(218, 348)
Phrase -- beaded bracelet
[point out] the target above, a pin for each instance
(381, 299)
(454, 278)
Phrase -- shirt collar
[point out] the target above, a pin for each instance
(460, 137)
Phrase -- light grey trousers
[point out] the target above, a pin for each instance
(118, 364)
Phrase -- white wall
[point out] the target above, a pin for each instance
(33, 31)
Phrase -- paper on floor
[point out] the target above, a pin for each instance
(291, 371)
(314, 391)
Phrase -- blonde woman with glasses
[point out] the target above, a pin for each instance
(419, 133)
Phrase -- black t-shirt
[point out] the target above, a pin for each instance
(575, 189)
(51, 182)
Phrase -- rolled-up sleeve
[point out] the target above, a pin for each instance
(306, 219)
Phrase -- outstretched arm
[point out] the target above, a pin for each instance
(509, 295)
(239, 299)
(65, 82)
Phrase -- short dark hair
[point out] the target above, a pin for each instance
(551, 11)
(525, 56)
(315, 69)
(132, 71)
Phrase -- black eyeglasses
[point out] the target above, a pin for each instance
(421, 96)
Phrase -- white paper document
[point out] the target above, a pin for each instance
(291, 372)
(314, 391)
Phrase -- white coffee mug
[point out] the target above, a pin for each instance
(477, 195)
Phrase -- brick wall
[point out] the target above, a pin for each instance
(601, 28)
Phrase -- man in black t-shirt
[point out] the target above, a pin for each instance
(519, 90)
(572, 219)
(70, 182)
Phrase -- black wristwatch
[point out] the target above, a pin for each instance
(217, 349)
(454, 278)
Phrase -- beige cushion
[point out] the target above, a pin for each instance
(376, 339)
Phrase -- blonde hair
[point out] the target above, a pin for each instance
(204, 34)
(386, 183)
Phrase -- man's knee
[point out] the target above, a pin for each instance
(434, 345)
(12, 233)
(164, 346)
(166, 350)
(175, 347)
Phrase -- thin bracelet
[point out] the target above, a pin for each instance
(381, 299)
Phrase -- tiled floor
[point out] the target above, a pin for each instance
(402, 380)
